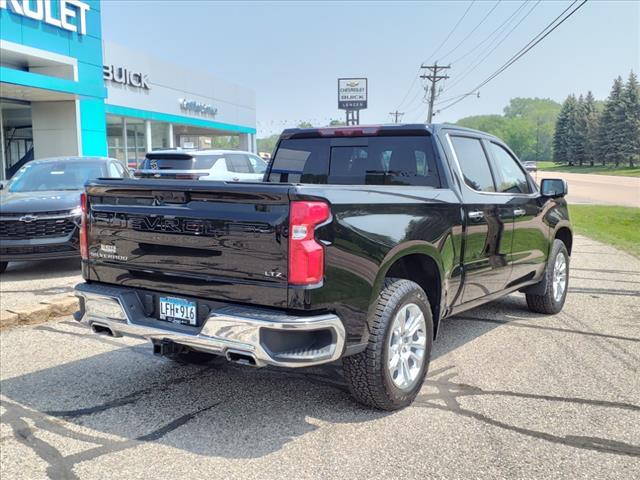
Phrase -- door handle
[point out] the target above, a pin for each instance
(518, 212)
(476, 215)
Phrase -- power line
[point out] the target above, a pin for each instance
(455, 27)
(535, 41)
(417, 75)
(413, 100)
(473, 30)
(522, 5)
(466, 73)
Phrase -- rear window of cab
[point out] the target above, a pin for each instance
(381, 160)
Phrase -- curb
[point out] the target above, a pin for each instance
(41, 313)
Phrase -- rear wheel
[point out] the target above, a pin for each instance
(557, 281)
(389, 373)
(3, 266)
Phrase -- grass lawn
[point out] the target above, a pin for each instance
(617, 226)
(599, 170)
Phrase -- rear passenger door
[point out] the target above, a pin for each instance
(488, 220)
(529, 245)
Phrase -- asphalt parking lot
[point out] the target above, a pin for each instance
(26, 284)
(510, 394)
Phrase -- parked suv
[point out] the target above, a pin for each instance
(223, 165)
(357, 246)
(40, 207)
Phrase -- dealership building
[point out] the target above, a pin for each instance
(63, 91)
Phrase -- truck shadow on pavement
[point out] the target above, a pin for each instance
(112, 401)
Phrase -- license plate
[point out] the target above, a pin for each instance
(178, 310)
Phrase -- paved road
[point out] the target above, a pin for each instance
(510, 394)
(599, 189)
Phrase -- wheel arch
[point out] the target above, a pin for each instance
(565, 235)
(421, 264)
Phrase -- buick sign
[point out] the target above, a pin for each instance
(125, 76)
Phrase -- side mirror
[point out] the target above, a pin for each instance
(553, 187)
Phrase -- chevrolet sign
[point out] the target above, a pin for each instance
(70, 15)
(352, 93)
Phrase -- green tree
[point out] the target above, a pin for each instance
(577, 133)
(541, 114)
(527, 126)
(267, 144)
(591, 115)
(562, 147)
(611, 126)
(493, 124)
(631, 127)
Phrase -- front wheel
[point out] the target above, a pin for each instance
(389, 373)
(3, 266)
(552, 299)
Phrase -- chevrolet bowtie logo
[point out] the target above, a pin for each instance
(353, 83)
(28, 218)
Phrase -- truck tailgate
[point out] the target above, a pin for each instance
(204, 239)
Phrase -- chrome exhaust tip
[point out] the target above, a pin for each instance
(243, 358)
(102, 329)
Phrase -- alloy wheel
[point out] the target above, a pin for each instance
(559, 277)
(407, 344)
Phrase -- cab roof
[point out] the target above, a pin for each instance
(376, 130)
(359, 131)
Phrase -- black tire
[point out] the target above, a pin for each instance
(546, 302)
(3, 266)
(366, 373)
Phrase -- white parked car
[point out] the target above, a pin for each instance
(224, 165)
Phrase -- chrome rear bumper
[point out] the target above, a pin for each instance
(268, 337)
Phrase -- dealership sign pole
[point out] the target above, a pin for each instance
(352, 97)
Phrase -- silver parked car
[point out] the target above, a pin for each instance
(530, 166)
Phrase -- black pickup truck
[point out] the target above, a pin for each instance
(356, 246)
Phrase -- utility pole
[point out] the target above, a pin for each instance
(431, 74)
(396, 115)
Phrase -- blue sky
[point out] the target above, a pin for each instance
(291, 53)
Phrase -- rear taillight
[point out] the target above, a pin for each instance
(306, 256)
(84, 237)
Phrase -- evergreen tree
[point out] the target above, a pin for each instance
(560, 143)
(577, 133)
(631, 127)
(611, 126)
(591, 128)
